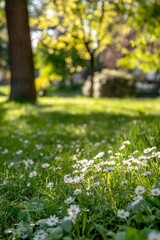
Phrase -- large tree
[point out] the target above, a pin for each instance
(20, 51)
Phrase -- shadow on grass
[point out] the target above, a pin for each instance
(88, 127)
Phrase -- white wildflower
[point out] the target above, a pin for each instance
(73, 210)
(122, 147)
(41, 235)
(147, 173)
(11, 164)
(45, 165)
(122, 213)
(28, 184)
(137, 199)
(19, 152)
(124, 182)
(52, 220)
(97, 184)
(155, 192)
(99, 155)
(127, 142)
(110, 152)
(77, 191)
(153, 236)
(50, 185)
(140, 190)
(33, 174)
(69, 200)
(110, 169)
(72, 218)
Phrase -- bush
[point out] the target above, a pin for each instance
(110, 83)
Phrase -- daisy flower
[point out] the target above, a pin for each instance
(153, 236)
(77, 191)
(52, 220)
(45, 165)
(140, 190)
(122, 147)
(110, 169)
(41, 235)
(147, 173)
(155, 192)
(122, 214)
(137, 199)
(99, 155)
(124, 182)
(72, 218)
(69, 200)
(33, 174)
(50, 185)
(73, 210)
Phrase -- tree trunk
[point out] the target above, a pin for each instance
(62, 84)
(71, 81)
(92, 70)
(20, 51)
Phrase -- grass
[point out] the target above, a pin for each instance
(90, 154)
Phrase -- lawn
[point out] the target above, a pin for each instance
(80, 168)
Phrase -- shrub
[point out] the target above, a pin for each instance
(111, 83)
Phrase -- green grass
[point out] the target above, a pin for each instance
(68, 133)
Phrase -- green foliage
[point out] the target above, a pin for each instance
(111, 144)
(144, 17)
(74, 30)
(58, 63)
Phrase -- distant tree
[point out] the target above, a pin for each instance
(20, 52)
(55, 61)
(81, 24)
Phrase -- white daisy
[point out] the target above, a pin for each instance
(45, 165)
(77, 191)
(73, 210)
(137, 199)
(52, 220)
(99, 155)
(41, 235)
(147, 173)
(72, 218)
(154, 236)
(124, 182)
(69, 200)
(140, 190)
(155, 192)
(122, 214)
(50, 185)
(33, 174)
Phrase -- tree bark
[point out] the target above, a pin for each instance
(20, 51)
(92, 70)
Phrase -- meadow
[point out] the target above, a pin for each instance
(80, 168)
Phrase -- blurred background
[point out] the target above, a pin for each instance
(95, 48)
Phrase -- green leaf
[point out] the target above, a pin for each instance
(54, 233)
(120, 236)
(100, 229)
(67, 238)
(67, 226)
(24, 216)
(132, 234)
(84, 223)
